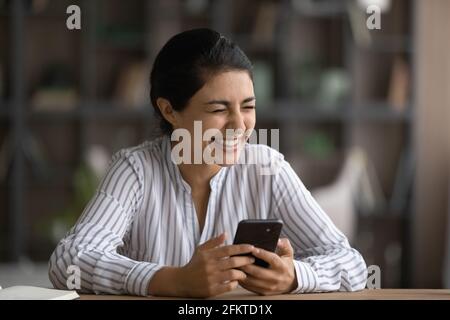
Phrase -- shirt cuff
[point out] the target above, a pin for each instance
(139, 277)
(306, 277)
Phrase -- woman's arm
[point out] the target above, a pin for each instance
(92, 243)
(324, 260)
(213, 270)
(92, 246)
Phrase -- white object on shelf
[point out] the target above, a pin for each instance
(131, 87)
(384, 5)
(356, 187)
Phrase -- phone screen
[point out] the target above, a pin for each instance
(262, 233)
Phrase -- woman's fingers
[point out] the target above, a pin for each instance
(284, 248)
(213, 242)
(231, 250)
(231, 275)
(258, 272)
(223, 287)
(271, 258)
(256, 285)
(226, 266)
(235, 262)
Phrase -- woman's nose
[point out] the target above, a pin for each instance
(236, 121)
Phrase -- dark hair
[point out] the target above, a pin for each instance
(186, 62)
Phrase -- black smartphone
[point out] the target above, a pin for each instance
(262, 233)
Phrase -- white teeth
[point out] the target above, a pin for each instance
(227, 143)
(230, 143)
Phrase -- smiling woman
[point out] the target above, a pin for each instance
(186, 63)
(224, 106)
(160, 227)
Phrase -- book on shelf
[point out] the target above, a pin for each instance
(264, 83)
(264, 25)
(357, 18)
(54, 99)
(56, 90)
(399, 84)
(319, 8)
(131, 87)
(36, 293)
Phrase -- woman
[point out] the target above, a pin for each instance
(161, 227)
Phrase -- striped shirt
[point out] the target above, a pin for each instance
(143, 218)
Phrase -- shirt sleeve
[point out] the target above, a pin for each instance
(323, 258)
(92, 244)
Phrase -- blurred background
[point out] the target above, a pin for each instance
(363, 115)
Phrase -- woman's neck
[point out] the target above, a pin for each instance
(198, 175)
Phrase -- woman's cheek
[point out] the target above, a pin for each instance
(215, 123)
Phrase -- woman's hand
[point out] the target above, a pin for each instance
(278, 278)
(213, 269)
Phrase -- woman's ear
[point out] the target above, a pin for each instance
(167, 111)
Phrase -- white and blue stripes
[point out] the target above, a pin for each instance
(143, 218)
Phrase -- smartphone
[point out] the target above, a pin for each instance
(262, 233)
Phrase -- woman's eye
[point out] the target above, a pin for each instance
(249, 107)
(218, 110)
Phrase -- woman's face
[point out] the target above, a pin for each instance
(227, 103)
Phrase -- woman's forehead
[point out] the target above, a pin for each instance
(233, 84)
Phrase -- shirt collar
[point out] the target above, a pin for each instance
(175, 173)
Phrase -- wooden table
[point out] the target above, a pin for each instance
(376, 294)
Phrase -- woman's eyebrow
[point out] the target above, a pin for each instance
(249, 99)
(226, 103)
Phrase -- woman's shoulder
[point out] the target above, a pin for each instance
(261, 153)
(265, 159)
(145, 152)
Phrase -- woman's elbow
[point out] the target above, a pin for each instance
(357, 276)
(56, 277)
(59, 268)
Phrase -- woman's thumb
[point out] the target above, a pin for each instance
(213, 242)
(284, 247)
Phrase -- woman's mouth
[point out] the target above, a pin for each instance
(228, 145)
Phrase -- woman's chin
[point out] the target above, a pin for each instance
(230, 157)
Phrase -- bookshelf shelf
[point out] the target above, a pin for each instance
(93, 112)
(391, 44)
(124, 41)
(289, 111)
(383, 112)
(39, 116)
